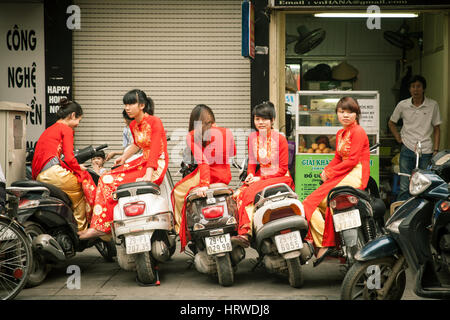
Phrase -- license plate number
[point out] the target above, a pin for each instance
(289, 241)
(218, 244)
(7, 234)
(136, 244)
(346, 220)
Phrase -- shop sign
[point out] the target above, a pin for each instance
(22, 63)
(309, 167)
(329, 4)
(248, 30)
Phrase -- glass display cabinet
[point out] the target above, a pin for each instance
(315, 133)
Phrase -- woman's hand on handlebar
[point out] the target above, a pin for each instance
(323, 176)
(83, 167)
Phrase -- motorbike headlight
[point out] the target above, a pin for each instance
(419, 183)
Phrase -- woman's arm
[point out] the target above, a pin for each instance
(67, 149)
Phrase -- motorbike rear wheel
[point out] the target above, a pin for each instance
(40, 268)
(225, 271)
(16, 259)
(296, 278)
(107, 249)
(144, 268)
(357, 281)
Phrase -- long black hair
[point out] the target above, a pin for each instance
(196, 114)
(67, 107)
(139, 96)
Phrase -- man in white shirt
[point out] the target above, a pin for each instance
(421, 119)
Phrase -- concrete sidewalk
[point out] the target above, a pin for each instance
(101, 280)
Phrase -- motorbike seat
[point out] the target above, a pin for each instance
(54, 190)
(347, 189)
(270, 192)
(141, 187)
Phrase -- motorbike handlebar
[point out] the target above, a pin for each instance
(101, 147)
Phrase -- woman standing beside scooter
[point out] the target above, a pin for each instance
(47, 166)
(149, 135)
(349, 167)
(211, 147)
(268, 148)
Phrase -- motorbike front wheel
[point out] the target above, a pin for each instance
(144, 268)
(364, 279)
(225, 271)
(296, 278)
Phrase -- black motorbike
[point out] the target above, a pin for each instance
(211, 222)
(45, 212)
(417, 236)
(358, 217)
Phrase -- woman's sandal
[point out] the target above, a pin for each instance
(327, 253)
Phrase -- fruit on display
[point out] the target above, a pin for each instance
(315, 148)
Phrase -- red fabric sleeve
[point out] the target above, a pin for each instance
(357, 141)
(283, 157)
(157, 139)
(252, 161)
(67, 149)
(202, 162)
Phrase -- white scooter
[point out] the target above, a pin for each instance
(143, 228)
(279, 230)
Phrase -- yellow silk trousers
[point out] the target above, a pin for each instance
(68, 182)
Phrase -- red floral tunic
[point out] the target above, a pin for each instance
(352, 147)
(55, 141)
(272, 154)
(149, 135)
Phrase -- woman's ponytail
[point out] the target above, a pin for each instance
(67, 107)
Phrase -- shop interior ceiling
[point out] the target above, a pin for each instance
(380, 63)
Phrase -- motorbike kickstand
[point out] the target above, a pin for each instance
(258, 262)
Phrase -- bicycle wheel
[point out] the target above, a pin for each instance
(15, 259)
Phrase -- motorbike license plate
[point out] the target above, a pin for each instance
(289, 241)
(346, 220)
(136, 244)
(218, 244)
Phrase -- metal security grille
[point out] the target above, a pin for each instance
(180, 52)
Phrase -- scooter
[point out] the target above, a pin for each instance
(45, 212)
(143, 228)
(417, 236)
(279, 231)
(358, 217)
(211, 222)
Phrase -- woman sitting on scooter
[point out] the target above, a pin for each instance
(349, 167)
(68, 175)
(211, 147)
(149, 135)
(268, 148)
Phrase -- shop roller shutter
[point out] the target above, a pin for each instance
(179, 52)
